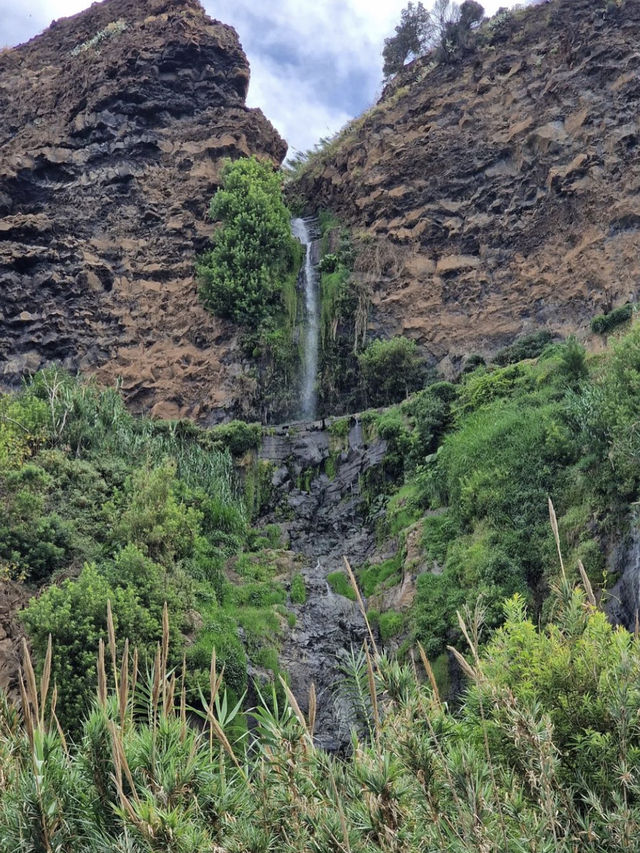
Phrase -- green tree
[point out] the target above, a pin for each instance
(253, 250)
(413, 37)
(75, 614)
(390, 370)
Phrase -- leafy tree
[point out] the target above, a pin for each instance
(390, 370)
(412, 38)
(446, 26)
(454, 24)
(253, 250)
(75, 614)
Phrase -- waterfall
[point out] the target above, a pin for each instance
(300, 230)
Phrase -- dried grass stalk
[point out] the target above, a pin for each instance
(464, 665)
(372, 691)
(556, 534)
(30, 679)
(123, 694)
(46, 677)
(354, 584)
(430, 675)
(313, 706)
(586, 583)
(102, 675)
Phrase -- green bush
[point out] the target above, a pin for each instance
(391, 370)
(298, 590)
(390, 624)
(528, 346)
(339, 583)
(237, 436)
(603, 324)
(253, 249)
(75, 614)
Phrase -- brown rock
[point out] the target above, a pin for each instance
(110, 151)
(517, 171)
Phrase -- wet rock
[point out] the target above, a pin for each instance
(324, 522)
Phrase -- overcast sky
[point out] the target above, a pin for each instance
(314, 63)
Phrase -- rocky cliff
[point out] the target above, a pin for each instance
(316, 481)
(113, 126)
(498, 194)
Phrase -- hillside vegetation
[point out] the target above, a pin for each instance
(462, 493)
(542, 755)
(102, 507)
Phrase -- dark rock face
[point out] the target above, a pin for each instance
(326, 525)
(623, 599)
(499, 195)
(113, 127)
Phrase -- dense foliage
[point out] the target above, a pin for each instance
(543, 754)
(391, 370)
(253, 250)
(101, 507)
(446, 26)
(468, 470)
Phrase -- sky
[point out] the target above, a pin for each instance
(315, 64)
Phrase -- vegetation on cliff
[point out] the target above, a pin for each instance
(253, 250)
(447, 27)
(541, 755)
(102, 506)
(469, 468)
(250, 275)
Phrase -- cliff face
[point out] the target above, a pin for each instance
(500, 195)
(113, 127)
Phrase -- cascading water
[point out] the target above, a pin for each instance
(300, 229)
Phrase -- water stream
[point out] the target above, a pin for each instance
(308, 395)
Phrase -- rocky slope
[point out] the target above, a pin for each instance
(498, 195)
(113, 126)
(322, 516)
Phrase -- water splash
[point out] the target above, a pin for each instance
(308, 401)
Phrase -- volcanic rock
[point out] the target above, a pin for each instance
(114, 124)
(499, 194)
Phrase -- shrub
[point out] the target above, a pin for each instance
(339, 583)
(573, 361)
(253, 249)
(298, 590)
(238, 436)
(391, 370)
(528, 346)
(75, 614)
(390, 624)
(603, 324)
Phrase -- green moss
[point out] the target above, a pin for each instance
(373, 578)
(339, 583)
(331, 467)
(339, 428)
(390, 625)
(298, 590)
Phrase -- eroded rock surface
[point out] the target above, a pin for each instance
(322, 516)
(113, 127)
(500, 195)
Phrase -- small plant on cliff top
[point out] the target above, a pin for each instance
(253, 250)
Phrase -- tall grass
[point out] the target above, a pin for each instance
(509, 770)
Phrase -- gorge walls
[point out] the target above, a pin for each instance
(113, 127)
